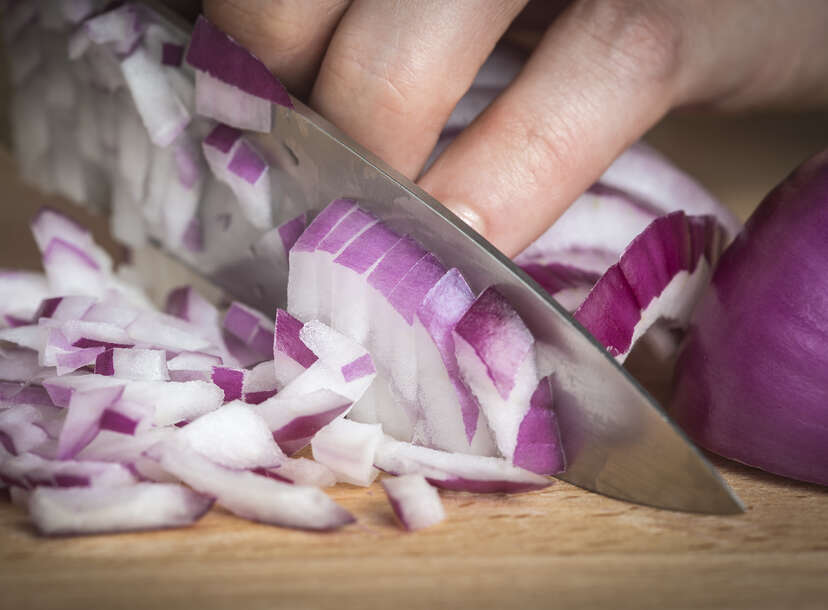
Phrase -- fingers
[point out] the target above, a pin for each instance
(289, 36)
(395, 69)
(601, 76)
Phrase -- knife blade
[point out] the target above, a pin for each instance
(618, 440)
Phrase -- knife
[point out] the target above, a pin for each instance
(617, 439)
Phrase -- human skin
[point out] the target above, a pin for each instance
(602, 72)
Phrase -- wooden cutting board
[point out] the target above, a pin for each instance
(559, 548)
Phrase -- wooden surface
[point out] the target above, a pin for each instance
(559, 548)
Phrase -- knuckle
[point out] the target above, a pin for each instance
(544, 145)
(276, 26)
(385, 83)
(642, 39)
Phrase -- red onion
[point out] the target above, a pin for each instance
(751, 378)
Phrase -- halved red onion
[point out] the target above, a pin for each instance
(661, 274)
(415, 503)
(235, 436)
(232, 85)
(97, 510)
(456, 471)
(348, 448)
(256, 497)
(751, 376)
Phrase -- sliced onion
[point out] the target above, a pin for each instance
(496, 354)
(661, 275)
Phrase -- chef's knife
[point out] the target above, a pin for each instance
(618, 440)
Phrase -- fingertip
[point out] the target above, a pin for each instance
(467, 214)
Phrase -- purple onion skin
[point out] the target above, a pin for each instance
(752, 377)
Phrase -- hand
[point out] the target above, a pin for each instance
(389, 72)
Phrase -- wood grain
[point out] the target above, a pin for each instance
(559, 548)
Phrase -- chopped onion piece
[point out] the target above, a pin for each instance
(415, 503)
(136, 364)
(256, 497)
(294, 421)
(347, 448)
(456, 471)
(162, 113)
(213, 52)
(235, 436)
(96, 510)
(302, 471)
(29, 470)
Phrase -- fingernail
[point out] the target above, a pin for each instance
(469, 216)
